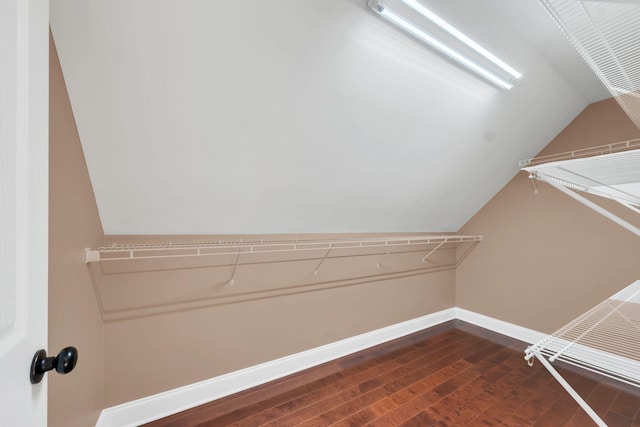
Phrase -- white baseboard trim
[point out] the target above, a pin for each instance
(603, 363)
(505, 328)
(173, 401)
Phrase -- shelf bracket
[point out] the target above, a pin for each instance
(91, 255)
(588, 203)
(385, 255)
(434, 249)
(584, 405)
(468, 251)
(628, 206)
(315, 272)
(532, 179)
(233, 272)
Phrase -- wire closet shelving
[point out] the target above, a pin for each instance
(610, 171)
(124, 251)
(606, 339)
(218, 265)
(606, 34)
(386, 245)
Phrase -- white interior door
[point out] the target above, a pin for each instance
(24, 94)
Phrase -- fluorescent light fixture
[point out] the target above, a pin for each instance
(422, 10)
(432, 41)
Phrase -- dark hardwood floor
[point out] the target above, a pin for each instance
(451, 375)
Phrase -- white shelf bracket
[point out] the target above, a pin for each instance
(385, 255)
(468, 251)
(91, 255)
(628, 206)
(424, 259)
(233, 272)
(532, 178)
(584, 405)
(315, 272)
(588, 203)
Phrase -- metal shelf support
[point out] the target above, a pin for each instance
(315, 272)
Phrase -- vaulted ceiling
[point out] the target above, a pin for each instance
(205, 116)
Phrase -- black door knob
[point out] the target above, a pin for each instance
(63, 363)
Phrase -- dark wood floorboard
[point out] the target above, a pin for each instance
(454, 374)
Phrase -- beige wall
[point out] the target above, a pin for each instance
(166, 328)
(169, 324)
(74, 317)
(546, 258)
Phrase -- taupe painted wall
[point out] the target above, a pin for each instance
(168, 325)
(74, 316)
(546, 258)
(169, 328)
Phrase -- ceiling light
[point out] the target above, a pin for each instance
(422, 10)
(420, 33)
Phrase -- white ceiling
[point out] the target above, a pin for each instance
(206, 116)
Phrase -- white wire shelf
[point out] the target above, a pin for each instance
(136, 251)
(615, 175)
(583, 153)
(606, 34)
(605, 339)
(611, 172)
(232, 270)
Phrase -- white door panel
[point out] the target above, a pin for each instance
(24, 65)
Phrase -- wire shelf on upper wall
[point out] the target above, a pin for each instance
(616, 147)
(606, 34)
(135, 251)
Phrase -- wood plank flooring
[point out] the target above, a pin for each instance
(454, 374)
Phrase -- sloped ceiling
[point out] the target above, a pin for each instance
(278, 116)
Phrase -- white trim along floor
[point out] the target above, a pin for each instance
(173, 401)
